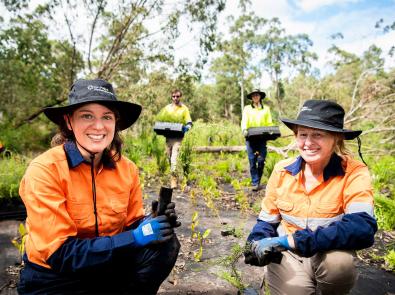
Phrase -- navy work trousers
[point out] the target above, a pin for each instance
(141, 271)
(256, 150)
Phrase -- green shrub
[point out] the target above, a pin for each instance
(11, 172)
(384, 211)
(390, 260)
(34, 137)
(185, 156)
(217, 134)
(383, 176)
(133, 150)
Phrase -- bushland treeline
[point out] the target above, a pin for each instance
(120, 45)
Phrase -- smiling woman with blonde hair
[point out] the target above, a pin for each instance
(317, 209)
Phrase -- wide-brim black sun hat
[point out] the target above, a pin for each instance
(322, 114)
(261, 93)
(95, 91)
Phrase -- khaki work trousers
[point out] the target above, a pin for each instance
(172, 148)
(332, 272)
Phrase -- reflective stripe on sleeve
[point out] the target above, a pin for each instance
(360, 207)
(311, 222)
(271, 218)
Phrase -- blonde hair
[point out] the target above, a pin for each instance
(340, 146)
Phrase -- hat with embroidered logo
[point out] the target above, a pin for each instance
(95, 91)
(322, 114)
(256, 91)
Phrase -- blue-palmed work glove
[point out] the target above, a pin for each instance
(186, 128)
(170, 212)
(153, 231)
(264, 247)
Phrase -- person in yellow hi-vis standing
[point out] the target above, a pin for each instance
(256, 114)
(175, 112)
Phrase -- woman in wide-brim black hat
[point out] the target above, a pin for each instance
(317, 210)
(256, 114)
(87, 232)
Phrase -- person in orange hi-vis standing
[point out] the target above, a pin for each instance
(317, 209)
(87, 231)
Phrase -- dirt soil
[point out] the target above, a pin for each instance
(229, 226)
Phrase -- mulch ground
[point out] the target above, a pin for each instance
(229, 225)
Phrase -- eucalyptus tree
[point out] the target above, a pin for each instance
(234, 70)
(34, 70)
(367, 92)
(283, 55)
(120, 40)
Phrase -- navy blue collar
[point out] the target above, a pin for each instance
(334, 167)
(74, 157)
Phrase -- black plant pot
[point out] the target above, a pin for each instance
(12, 208)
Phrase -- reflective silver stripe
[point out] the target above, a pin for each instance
(310, 222)
(299, 222)
(271, 218)
(360, 207)
(315, 222)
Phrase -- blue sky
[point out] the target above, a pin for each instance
(320, 19)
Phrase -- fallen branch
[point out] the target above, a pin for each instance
(239, 148)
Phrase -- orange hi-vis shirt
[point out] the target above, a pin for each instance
(346, 191)
(57, 192)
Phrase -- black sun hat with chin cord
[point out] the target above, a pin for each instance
(322, 114)
(95, 91)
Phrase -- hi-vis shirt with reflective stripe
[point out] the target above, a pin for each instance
(175, 113)
(57, 192)
(345, 188)
(256, 117)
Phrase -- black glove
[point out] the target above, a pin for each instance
(170, 212)
(269, 257)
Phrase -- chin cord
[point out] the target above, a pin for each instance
(359, 150)
(92, 165)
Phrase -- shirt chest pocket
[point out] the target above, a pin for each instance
(114, 215)
(82, 216)
(285, 206)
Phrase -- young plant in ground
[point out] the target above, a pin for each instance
(232, 275)
(19, 242)
(158, 151)
(240, 196)
(199, 236)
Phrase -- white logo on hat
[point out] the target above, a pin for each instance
(99, 88)
(307, 109)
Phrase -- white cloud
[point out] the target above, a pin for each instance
(310, 5)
